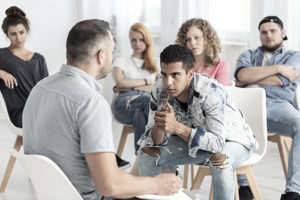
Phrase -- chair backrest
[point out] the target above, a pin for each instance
(15, 130)
(252, 103)
(48, 179)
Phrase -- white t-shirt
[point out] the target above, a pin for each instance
(267, 57)
(132, 68)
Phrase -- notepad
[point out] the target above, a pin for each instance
(178, 196)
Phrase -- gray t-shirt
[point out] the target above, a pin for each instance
(66, 117)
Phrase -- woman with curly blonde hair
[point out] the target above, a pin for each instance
(199, 36)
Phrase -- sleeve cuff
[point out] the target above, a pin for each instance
(283, 79)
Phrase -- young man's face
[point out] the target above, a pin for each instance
(176, 81)
(271, 36)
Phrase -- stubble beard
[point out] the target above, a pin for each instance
(272, 48)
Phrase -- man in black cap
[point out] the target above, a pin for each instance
(275, 69)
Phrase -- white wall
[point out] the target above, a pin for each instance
(52, 19)
(50, 22)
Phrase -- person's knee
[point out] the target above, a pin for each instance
(296, 126)
(219, 161)
(151, 151)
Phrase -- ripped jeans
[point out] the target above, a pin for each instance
(176, 153)
(132, 107)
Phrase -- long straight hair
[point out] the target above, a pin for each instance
(149, 52)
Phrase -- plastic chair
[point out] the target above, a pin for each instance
(284, 143)
(231, 83)
(48, 180)
(18, 143)
(252, 102)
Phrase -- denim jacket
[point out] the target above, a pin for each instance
(255, 57)
(210, 113)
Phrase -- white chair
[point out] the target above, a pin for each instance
(48, 180)
(252, 103)
(18, 143)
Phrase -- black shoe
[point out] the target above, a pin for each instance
(122, 164)
(245, 193)
(290, 196)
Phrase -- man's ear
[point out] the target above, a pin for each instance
(283, 33)
(191, 73)
(100, 56)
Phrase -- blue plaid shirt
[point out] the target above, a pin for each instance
(255, 57)
(210, 113)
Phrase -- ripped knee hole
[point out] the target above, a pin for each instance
(219, 160)
(151, 151)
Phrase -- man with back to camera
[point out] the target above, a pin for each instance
(193, 120)
(68, 120)
(275, 69)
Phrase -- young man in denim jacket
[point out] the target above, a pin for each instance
(193, 120)
(275, 69)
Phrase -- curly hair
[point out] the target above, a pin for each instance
(149, 52)
(211, 40)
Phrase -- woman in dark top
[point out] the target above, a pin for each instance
(20, 69)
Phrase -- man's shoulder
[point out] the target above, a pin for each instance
(293, 53)
(68, 87)
(252, 52)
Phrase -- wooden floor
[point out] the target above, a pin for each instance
(269, 173)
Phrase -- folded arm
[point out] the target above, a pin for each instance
(267, 75)
(123, 82)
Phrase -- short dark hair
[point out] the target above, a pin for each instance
(178, 53)
(84, 38)
(14, 16)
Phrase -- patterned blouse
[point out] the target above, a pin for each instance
(210, 113)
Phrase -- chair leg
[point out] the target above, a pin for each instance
(126, 130)
(211, 191)
(252, 183)
(202, 172)
(185, 175)
(283, 156)
(287, 143)
(193, 173)
(11, 163)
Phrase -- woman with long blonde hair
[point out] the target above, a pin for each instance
(199, 36)
(133, 77)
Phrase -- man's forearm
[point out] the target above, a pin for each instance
(157, 135)
(183, 131)
(272, 80)
(252, 75)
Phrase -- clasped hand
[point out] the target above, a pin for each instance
(165, 119)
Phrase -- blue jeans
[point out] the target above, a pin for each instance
(176, 153)
(132, 107)
(284, 119)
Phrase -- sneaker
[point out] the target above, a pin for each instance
(122, 164)
(245, 193)
(290, 196)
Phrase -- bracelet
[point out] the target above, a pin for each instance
(146, 82)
